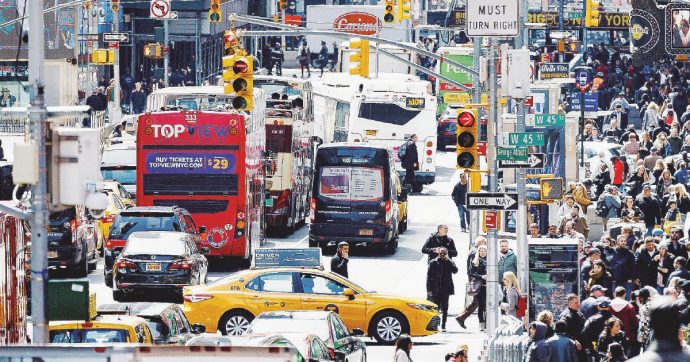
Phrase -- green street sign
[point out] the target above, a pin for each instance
(526, 139)
(511, 154)
(545, 120)
(574, 15)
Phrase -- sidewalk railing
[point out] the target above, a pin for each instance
(508, 343)
(11, 123)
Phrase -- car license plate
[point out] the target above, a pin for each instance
(366, 232)
(52, 254)
(371, 132)
(153, 266)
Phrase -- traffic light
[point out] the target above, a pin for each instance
(230, 42)
(153, 50)
(115, 5)
(404, 9)
(388, 15)
(239, 79)
(592, 13)
(467, 135)
(359, 60)
(282, 5)
(214, 13)
(103, 56)
(551, 188)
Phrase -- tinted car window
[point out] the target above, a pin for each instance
(276, 282)
(159, 331)
(125, 224)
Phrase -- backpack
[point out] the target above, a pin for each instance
(521, 307)
(602, 210)
(402, 151)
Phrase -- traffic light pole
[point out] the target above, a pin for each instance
(492, 286)
(166, 54)
(474, 227)
(116, 112)
(39, 207)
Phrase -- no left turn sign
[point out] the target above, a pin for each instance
(160, 9)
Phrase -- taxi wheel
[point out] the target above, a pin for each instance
(235, 322)
(387, 326)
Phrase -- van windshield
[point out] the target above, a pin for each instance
(344, 183)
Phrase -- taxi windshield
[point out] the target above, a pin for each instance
(104, 335)
(273, 325)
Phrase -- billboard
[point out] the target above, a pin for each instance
(678, 28)
(59, 30)
(553, 274)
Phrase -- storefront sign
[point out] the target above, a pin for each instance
(553, 70)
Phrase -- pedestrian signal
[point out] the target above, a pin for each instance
(592, 14)
(215, 15)
(389, 14)
(153, 50)
(103, 56)
(466, 133)
(551, 189)
(404, 9)
(359, 59)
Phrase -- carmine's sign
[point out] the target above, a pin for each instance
(357, 23)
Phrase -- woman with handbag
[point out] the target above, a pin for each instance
(511, 295)
(477, 288)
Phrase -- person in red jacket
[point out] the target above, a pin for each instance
(618, 171)
(623, 310)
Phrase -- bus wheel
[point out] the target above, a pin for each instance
(417, 187)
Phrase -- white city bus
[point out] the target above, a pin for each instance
(381, 111)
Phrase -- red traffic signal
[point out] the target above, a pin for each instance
(466, 119)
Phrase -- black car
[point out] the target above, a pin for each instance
(167, 321)
(72, 241)
(159, 260)
(155, 218)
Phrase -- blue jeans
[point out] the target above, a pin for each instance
(464, 216)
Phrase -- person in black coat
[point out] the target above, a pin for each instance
(95, 102)
(340, 259)
(439, 282)
(477, 271)
(676, 246)
(646, 265)
(595, 325)
(622, 265)
(620, 116)
(439, 240)
(650, 206)
(612, 334)
(410, 161)
(573, 318)
(680, 270)
(459, 196)
(138, 98)
(602, 179)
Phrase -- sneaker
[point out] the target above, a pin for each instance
(443, 329)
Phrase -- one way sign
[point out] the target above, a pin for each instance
(534, 160)
(492, 201)
(116, 37)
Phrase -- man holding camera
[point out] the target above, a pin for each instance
(340, 259)
(439, 282)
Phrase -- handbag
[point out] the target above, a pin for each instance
(473, 287)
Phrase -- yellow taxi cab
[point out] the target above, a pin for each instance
(102, 329)
(293, 279)
(403, 191)
(115, 187)
(115, 205)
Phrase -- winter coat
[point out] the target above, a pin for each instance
(580, 225)
(613, 204)
(138, 99)
(593, 328)
(618, 172)
(606, 339)
(511, 299)
(666, 263)
(622, 266)
(651, 208)
(439, 277)
(634, 184)
(682, 273)
(339, 264)
(411, 156)
(601, 180)
(459, 194)
(434, 241)
(575, 321)
(623, 310)
(537, 350)
(561, 349)
(507, 262)
(678, 249)
(646, 267)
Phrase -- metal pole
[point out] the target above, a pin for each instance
(560, 27)
(582, 131)
(197, 58)
(474, 226)
(492, 292)
(39, 220)
(584, 32)
(116, 112)
(166, 55)
(378, 32)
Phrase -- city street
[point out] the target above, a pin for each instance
(402, 274)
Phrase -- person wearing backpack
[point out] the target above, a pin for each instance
(409, 158)
(609, 204)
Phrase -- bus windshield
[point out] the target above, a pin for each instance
(351, 183)
(387, 113)
(200, 102)
(124, 175)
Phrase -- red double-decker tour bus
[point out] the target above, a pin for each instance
(209, 163)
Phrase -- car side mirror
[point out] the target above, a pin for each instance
(202, 229)
(357, 332)
(198, 328)
(349, 293)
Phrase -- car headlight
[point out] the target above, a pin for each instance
(424, 307)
